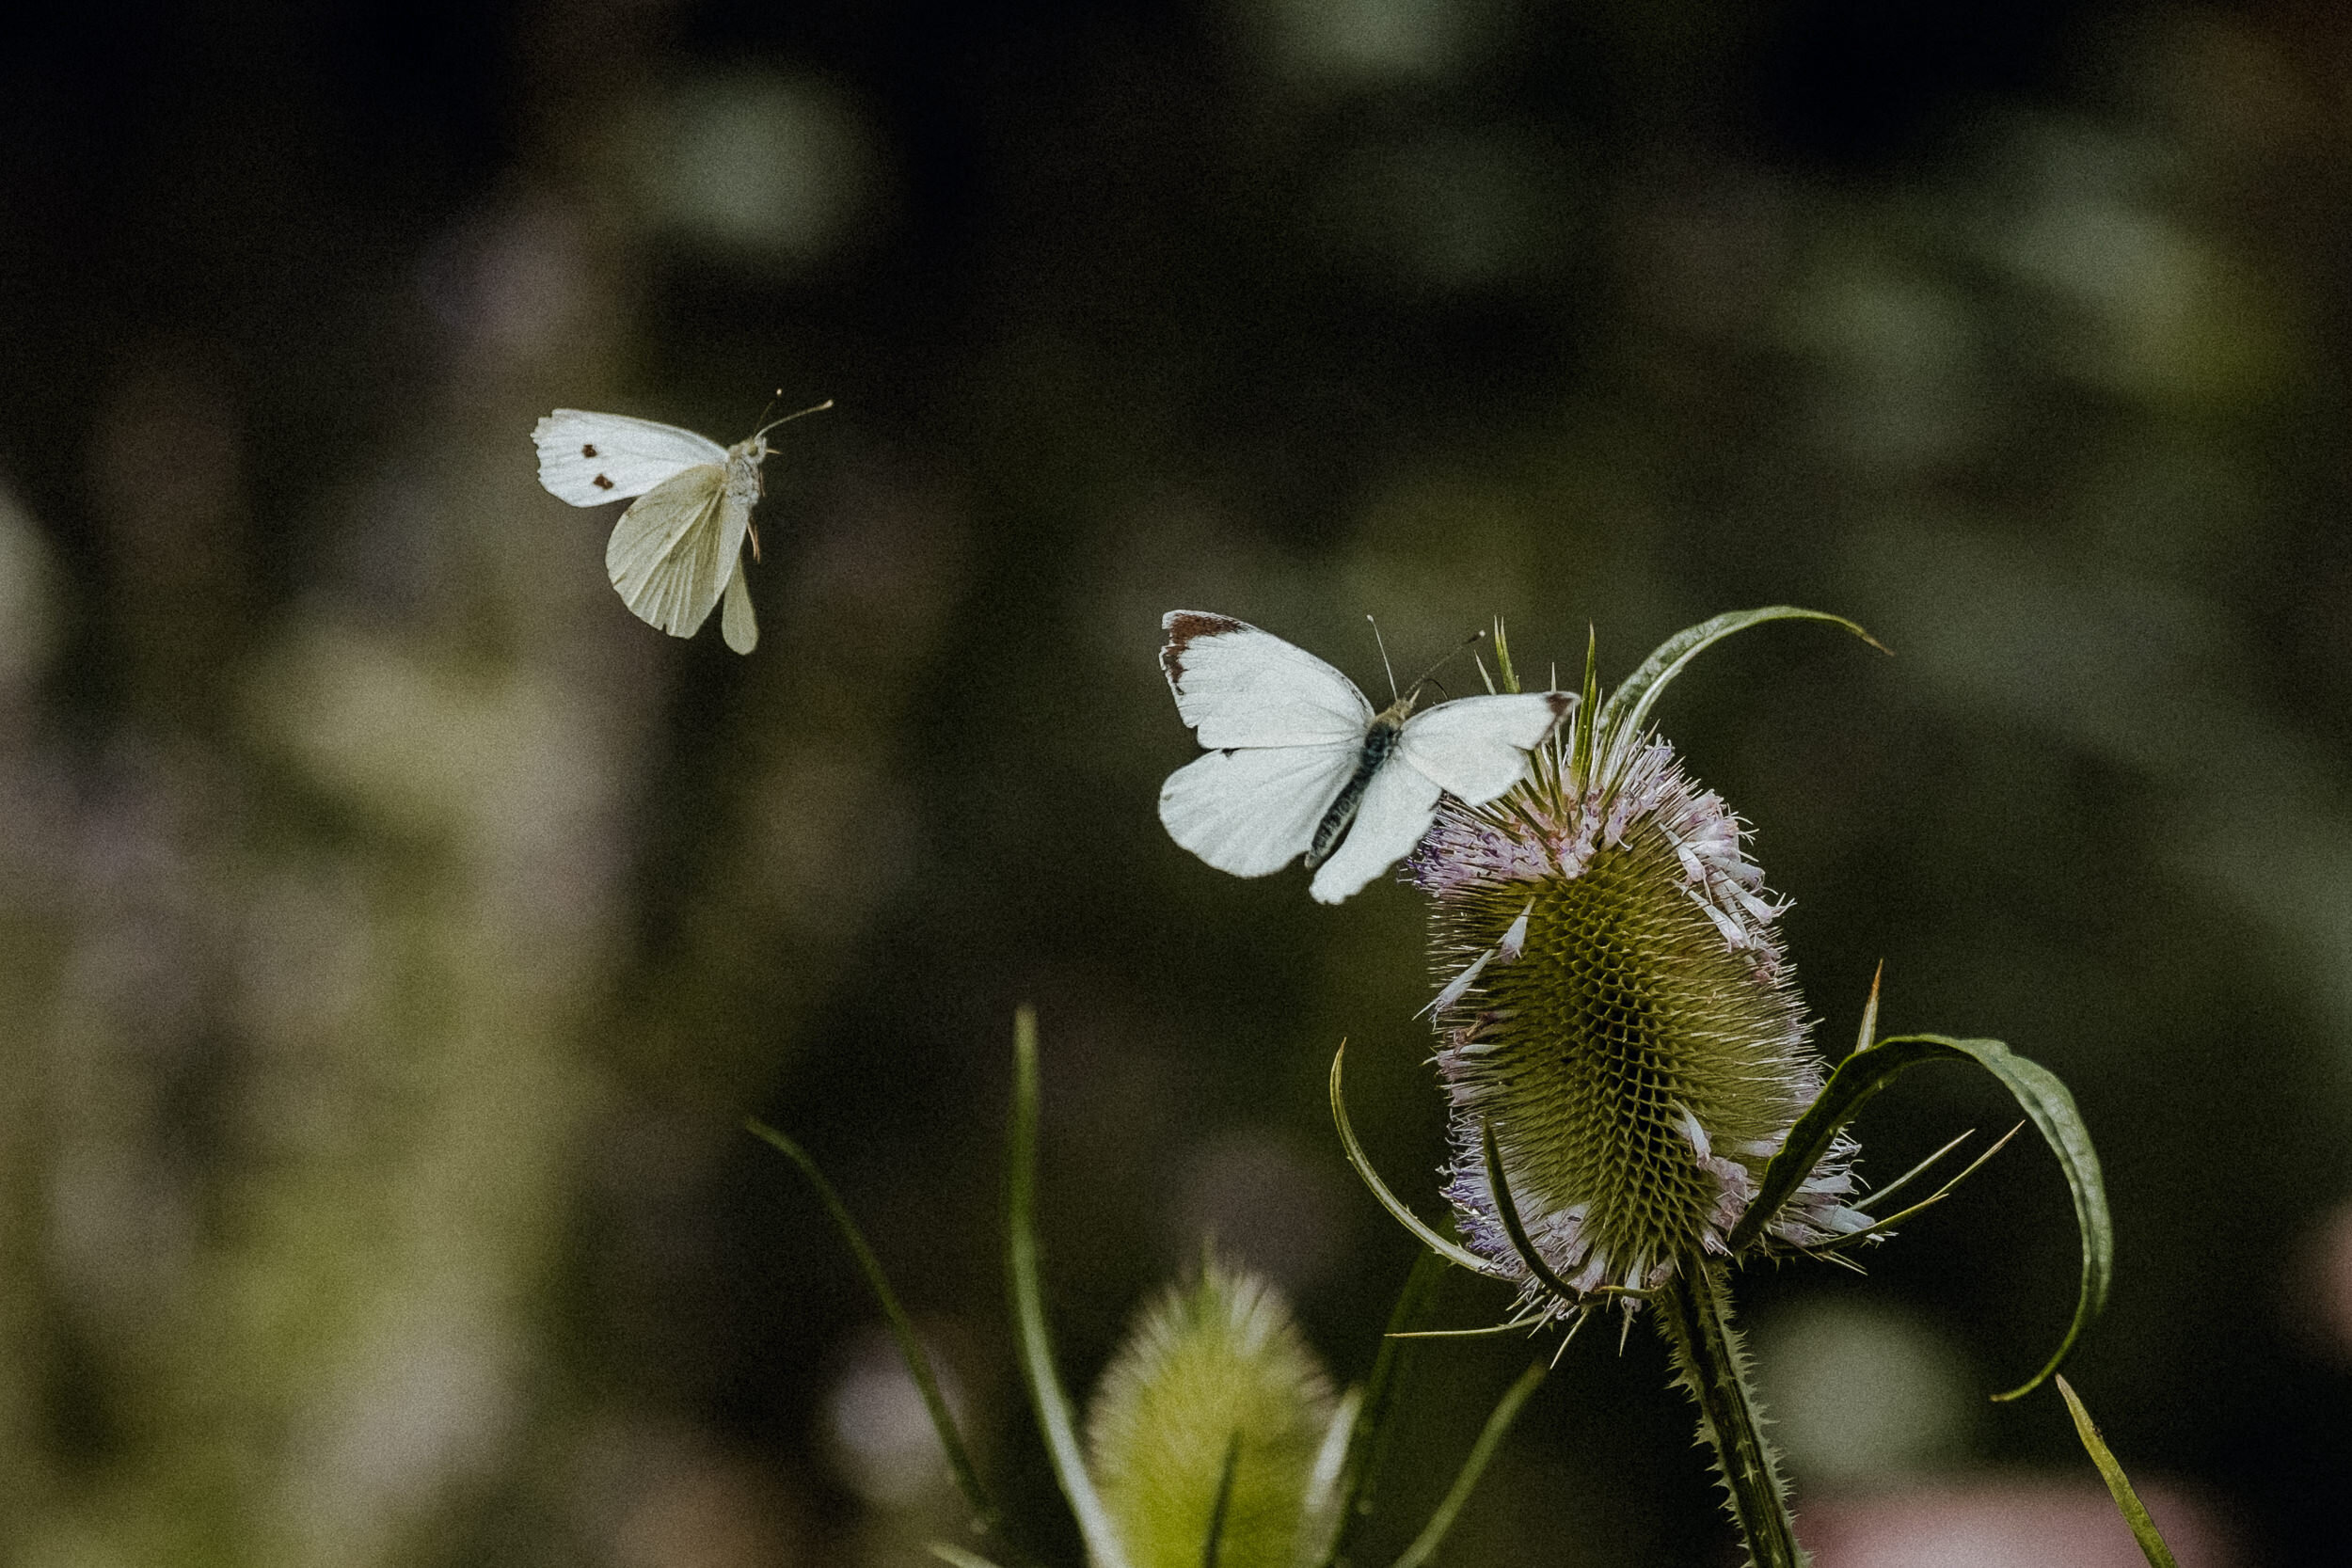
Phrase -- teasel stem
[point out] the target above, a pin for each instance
(1694, 1315)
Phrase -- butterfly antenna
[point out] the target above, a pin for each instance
(1382, 643)
(812, 409)
(1430, 678)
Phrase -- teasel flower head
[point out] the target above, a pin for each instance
(1617, 1011)
(1215, 1420)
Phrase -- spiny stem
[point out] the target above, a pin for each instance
(1694, 1315)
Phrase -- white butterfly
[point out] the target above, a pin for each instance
(1296, 754)
(679, 548)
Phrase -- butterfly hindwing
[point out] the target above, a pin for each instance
(588, 459)
(737, 622)
(667, 555)
(1397, 806)
(1253, 811)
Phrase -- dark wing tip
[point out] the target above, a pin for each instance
(1182, 626)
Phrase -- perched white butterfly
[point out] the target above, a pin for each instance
(679, 548)
(1296, 754)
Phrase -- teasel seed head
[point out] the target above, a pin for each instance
(1213, 1377)
(1619, 1009)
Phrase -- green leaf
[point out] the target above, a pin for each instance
(2127, 1501)
(1506, 1410)
(1628, 709)
(1415, 1304)
(1028, 1308)
(2038, 1092)
(1451, 1251)
(985, 1514)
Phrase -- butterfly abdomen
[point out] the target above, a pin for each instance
(1380, 740)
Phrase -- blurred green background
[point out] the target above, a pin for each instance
(394, 931)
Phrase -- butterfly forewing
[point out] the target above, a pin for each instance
(1476, 748)
(669, 555)
(1253, 811)
(1237, 686)
(588, 459)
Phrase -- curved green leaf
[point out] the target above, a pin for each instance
(1627, 707)
(1451, 1251)
(1507, 1208)
(2039, 1094)
(911, 1350)
(1028, 1308)
(1506, 1410)
(2127, 1501)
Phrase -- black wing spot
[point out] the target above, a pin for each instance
(603, 483)
(587, 451)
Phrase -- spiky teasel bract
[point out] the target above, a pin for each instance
(1620, 1012)
(1216, 1377)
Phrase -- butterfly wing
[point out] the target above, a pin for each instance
(1476, 748)
(1237, 686)
(673, 553)
(1253, 811)
(737, 622)
(588, 459)
(1398, 804)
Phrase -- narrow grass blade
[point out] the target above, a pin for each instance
(1532, 1321)
(1883, 1225)
(1451, 1251)
(1506, 1410)
(956, 1556)
(911, 1350)
(1502, 658)
(1507, 1208)
(1581, 739)
(2039, 1094)
(1628, 706)
(1028, 1308)
(1883, 1194)
(1414, 1305)
(2127, 1501)
(1214, 1542)
(1867, 1035)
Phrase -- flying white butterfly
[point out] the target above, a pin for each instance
(1296, 755)
(679, 548)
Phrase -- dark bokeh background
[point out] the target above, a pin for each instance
(395, 932)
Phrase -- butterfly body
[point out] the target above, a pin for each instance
(1380, 740)
(1299, 764)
